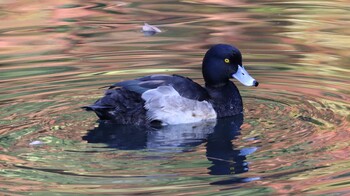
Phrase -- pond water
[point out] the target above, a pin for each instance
(56, 55)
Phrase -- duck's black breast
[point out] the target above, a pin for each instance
(122, 102)
(226, 100)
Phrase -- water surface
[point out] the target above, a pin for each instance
(293, 139)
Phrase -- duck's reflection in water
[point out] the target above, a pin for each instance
(219, 136)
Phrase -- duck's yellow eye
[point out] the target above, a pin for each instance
(227, 60)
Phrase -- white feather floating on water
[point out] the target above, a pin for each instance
(36, 143)
(150, 28)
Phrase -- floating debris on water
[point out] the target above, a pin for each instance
(150, 30)
(36, 143)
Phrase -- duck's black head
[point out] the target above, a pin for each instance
(222, 62)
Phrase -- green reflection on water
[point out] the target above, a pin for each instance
(32, 72)
(8, 140)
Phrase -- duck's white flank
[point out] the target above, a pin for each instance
(166, 105)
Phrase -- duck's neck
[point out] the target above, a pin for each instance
(226, 99)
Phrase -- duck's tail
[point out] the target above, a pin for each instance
(102, 112)
(87, 108)
(94, 108)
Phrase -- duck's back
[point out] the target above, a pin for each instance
(138, 101)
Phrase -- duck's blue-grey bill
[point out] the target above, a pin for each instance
(243, 76)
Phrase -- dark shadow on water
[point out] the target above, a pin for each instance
(219, 138)
(221, 151)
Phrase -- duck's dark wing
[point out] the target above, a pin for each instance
(183, 85)
(123, 103)
(120, 106)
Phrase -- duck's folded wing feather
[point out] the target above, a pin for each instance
(183, 85)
